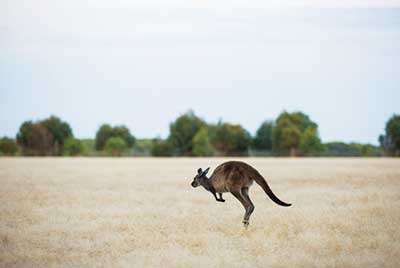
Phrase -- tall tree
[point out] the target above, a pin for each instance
(104, 133)
(310, 143)
(263, 138)
(231, 139)
(289, 127)
(34, 139)
(183, 130)
(290, 139)
(60, 131)
(391, 140)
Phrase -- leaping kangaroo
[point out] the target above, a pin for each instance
(235, 177)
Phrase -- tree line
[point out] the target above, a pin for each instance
(291, 134)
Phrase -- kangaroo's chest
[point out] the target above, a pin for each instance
(220, 184)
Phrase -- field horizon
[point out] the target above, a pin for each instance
(142, 212)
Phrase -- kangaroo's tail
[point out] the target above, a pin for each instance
(261, 181)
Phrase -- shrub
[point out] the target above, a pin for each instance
(8, 146)
(161, 148)
(106, 132)
(231, 139)
(201, 143)
(73, 147)
(115, 146)
(182, 132)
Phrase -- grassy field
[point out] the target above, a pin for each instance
(127, 212)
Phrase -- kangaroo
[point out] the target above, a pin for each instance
(235, 177)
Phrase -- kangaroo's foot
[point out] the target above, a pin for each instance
(246, 223)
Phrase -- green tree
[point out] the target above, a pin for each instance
(8, 146)
(106, 132)
(34, 139)
(263, 138)
(310, 143)
(289, 127)
(45, 137)
(201, 143)
(183, 130)
(24, 134)
(161, 148)
(115, 146)
(393, 134)
(231, 139)
(123, 132)
(291, 137)
(60, 131)
(73, 147)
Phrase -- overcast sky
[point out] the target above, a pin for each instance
(143, 63)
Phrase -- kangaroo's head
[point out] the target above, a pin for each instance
(200, 177)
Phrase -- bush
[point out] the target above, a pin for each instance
(73, 147)
(143, 147)
(351, 149)
(8, 146)
(371, 150)
(201, 143)
(106, 132)
(161, 148)
(182, 132)
(341, 149)
(88, 147)
(115, 146)
(231, 139)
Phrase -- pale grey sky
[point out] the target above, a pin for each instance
(143, 63)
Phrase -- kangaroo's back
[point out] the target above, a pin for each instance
(232, 174)
(230, 169)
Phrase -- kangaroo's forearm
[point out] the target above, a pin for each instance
(219, 199)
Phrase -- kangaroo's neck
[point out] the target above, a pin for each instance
(206, 183)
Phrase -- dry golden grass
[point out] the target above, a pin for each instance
(88, 212)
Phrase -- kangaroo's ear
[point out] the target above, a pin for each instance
(206, 171)
(199, 171)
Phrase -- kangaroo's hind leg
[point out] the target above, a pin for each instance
(250, 208)
(246, 204)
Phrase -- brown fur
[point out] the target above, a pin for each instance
(235, 177)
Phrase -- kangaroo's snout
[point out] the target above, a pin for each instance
(194, 184)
